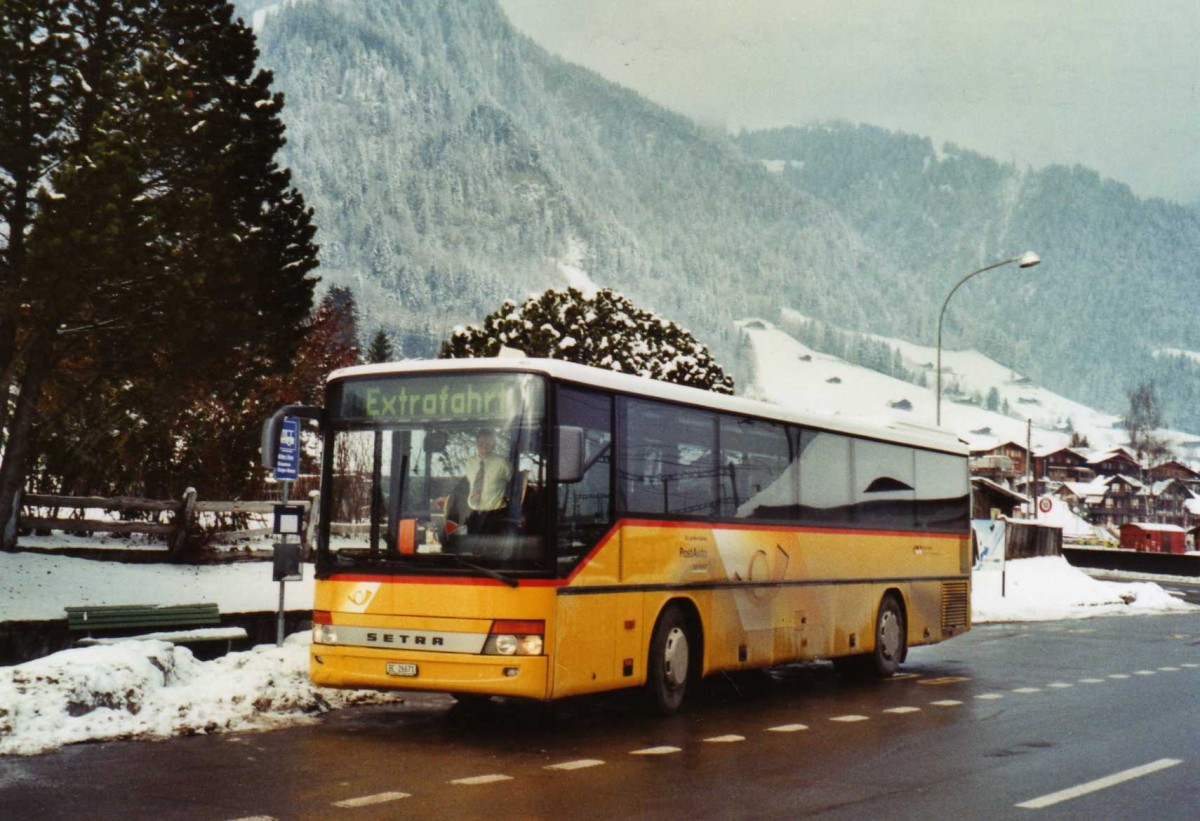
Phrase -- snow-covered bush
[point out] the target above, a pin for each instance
(604, 331)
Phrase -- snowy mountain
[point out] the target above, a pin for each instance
(789, 372)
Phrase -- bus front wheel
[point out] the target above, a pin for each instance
(670, 663)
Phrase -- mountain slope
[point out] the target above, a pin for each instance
(1119, 277)
(451, 162)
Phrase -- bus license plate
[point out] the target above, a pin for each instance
(404, 669)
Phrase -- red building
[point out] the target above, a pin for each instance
(1152, 538)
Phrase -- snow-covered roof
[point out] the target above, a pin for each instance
(1098, 457)
(887, 429)
(1108, 480)
(1154, 527)
(1045, 453)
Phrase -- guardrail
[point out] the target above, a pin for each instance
(184, 516)
(1162, 564)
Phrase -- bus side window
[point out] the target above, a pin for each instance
(758, 471)
(584, 507)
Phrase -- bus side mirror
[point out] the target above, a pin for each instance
(269, 446)
(570, 454)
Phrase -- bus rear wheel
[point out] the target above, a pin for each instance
(890, 638)
(670, 663)
(890, 645)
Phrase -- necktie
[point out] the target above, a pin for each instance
(477, 488)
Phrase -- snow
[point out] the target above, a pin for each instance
(571, 268)
(152, 689)
(1048, 588)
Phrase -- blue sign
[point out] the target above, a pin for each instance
(287, 460)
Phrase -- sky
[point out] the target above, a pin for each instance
(1109, 84)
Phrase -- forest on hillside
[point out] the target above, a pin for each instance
(452, 163)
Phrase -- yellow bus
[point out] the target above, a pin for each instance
(539, 529)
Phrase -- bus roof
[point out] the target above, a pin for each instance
(890, 430)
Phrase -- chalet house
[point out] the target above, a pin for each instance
(1114, 463)
(1081, 497)
(1174, 470)
(1167, 501)
(1062, 465)
(1123, 501)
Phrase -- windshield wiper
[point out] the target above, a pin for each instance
(487, 571)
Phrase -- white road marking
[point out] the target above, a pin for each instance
(725, 739)
(476, 780)
(787, 728)
(1091, 681)
(580, 764)
(1099, 784)
(1119, 675)
(949, 702)
(371, 800)
(1189, 665)
(1060, 685)
(1169, 669)
(990, 696)
(1028, 690)
(1144, 672)
(656, 751)
(850, 719)
(902, 710)
(256, 818)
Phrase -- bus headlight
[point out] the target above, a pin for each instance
(530, 646)
(515, 638)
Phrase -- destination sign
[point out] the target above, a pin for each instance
(441, 398)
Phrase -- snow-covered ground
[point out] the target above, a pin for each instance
(151, 689)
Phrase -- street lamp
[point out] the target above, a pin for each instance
(1026, 260)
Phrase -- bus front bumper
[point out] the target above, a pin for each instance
(332, 665)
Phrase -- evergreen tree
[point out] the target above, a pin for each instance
(154, 241)
(381, 348)
(605, 331)
(1142, 421)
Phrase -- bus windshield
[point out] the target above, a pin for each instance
(435, 471)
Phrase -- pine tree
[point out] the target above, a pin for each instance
(605, 331)
(381, 348)
(157, 236)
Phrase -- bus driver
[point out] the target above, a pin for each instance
(488, 475)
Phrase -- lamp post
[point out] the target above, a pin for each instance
(1026, 260)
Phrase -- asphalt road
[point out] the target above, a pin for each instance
(1088, 719)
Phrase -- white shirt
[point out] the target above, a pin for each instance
(496, 473)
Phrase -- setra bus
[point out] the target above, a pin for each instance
(539, 529)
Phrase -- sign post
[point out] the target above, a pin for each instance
(287, 519)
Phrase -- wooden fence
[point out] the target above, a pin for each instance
(184, 517)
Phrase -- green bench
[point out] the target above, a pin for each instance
(176, 623)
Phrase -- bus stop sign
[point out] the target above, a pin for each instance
(287, 460)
